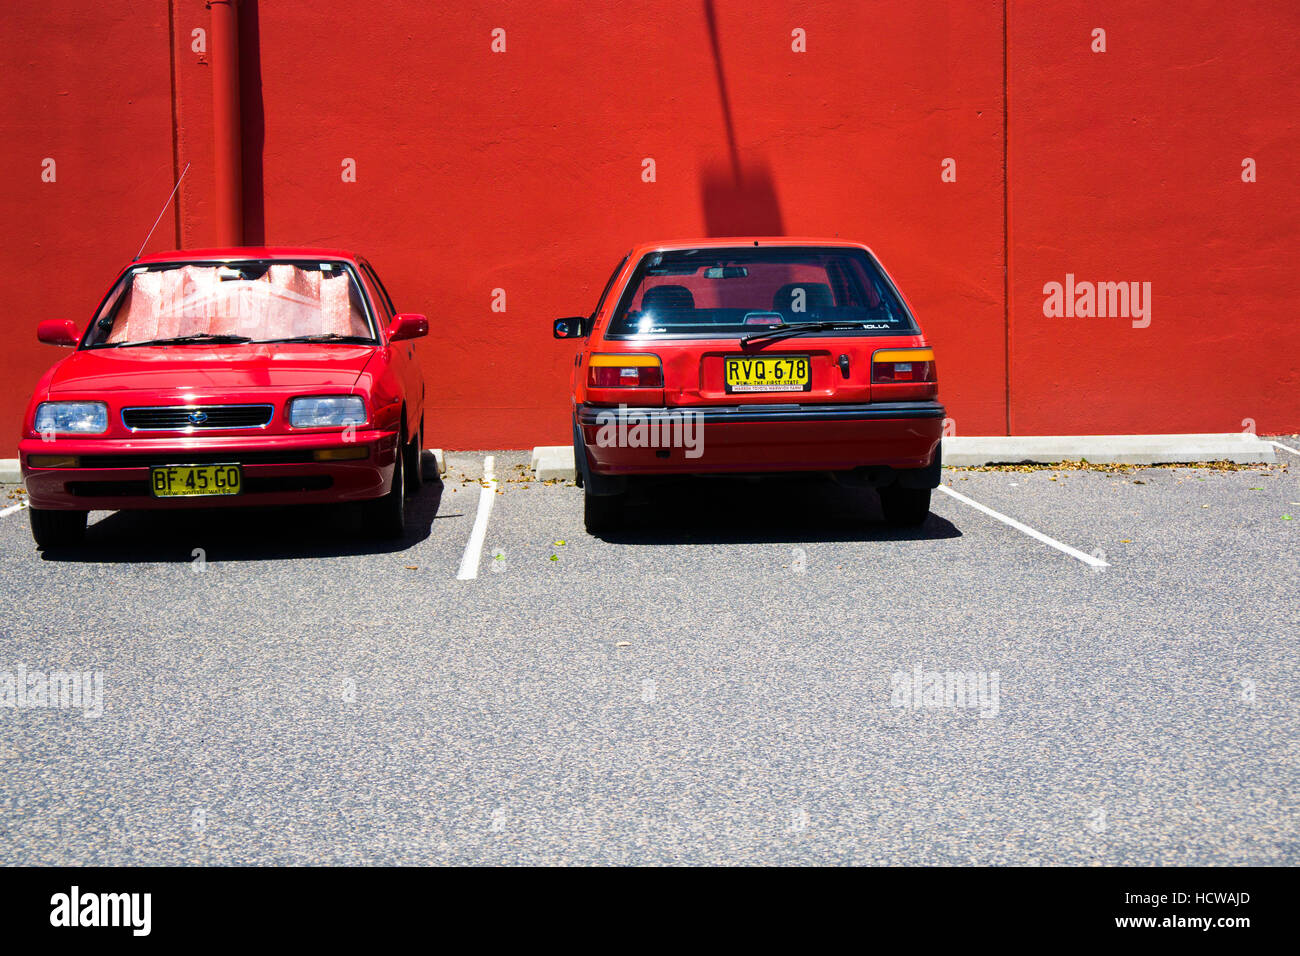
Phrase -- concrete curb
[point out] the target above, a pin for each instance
(435, 458)
(10, 474)
(1236, 447)
(554, 463)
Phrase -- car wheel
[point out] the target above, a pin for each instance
(905, 507)
(55, 529)
(413, 467)
(386, 517)
(601, 512)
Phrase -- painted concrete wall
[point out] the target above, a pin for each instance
(524, 170)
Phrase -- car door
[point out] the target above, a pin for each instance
(405, 364)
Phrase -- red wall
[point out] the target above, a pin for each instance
(87, 86)
(522, 171)
(1126, 165)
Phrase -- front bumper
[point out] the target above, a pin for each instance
(760, 438)
(113, 474)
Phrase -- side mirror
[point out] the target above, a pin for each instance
(408, 325)
(570, 328)
(58, 332)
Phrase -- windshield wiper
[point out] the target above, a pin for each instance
(785, 331)
(323, 337)
(218, 338)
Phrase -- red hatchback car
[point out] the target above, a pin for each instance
(754, 356)
(227, 378)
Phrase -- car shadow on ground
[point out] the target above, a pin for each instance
(770, 510)
(247, 534)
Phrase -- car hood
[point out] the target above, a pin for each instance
(274, 365)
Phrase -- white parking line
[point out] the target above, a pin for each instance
(1287, 447)
(12, 508)
(1036, 535)
(474, 547)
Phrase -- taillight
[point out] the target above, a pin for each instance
(902, 365)
(625, 371)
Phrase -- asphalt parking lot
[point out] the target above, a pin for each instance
(732, 679)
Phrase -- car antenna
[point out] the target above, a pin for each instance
(160, 213)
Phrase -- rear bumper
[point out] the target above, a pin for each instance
(760, 438)
(277, 470)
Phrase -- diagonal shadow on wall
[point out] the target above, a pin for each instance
(252, 123)
(738, 195)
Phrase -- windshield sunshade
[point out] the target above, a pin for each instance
(257, 301)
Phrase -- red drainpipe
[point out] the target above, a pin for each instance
(227, 159)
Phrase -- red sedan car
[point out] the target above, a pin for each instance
(228, 378)
(754, 356)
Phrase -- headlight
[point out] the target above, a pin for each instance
(71, 418)
(327, 411)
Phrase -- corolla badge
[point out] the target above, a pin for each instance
(198, 416)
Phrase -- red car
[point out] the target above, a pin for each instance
(754, 356)
(229, 378)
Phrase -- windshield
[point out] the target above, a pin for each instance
(742, 291)
(235, 301)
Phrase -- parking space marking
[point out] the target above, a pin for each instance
(12, 508)
(1287, 447)
(1036, 535)
(474, 547)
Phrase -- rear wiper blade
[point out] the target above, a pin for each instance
(221, 338)
(785, 331)
(323, 337)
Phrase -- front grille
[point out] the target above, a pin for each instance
(194, 417)
(149, 460)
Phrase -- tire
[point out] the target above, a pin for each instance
(386, 517)
(601, 512)
(413, 467)
(905, 507)
(57, 529)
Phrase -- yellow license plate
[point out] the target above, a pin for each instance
(193, 481)
(782, 373)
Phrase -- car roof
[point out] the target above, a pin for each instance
(735, 242)
(249, 252)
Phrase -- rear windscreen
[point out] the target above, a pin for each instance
(739, 291)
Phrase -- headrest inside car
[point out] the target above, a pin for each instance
(667, 298)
